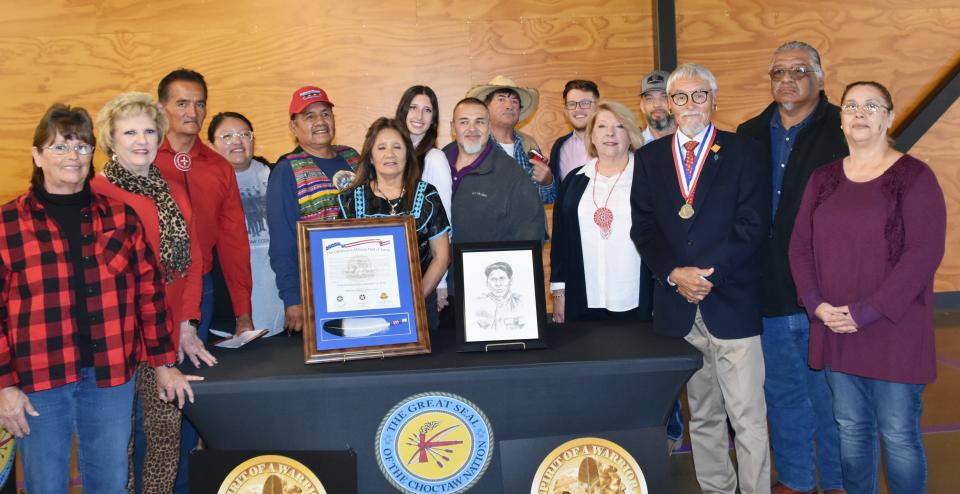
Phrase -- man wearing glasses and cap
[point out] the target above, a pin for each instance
(304, 186)
(798, 132)
(653, 105)
(570, 151)
(508, 105)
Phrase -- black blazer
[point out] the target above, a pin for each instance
(566, 252)
(732, 205)
(818, 143)
(555, 157)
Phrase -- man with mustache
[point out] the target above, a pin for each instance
(798, 132)
(493, 199)
(653, 105)
(304, 186)
(508, 105)
(701, 209)
(217, 210)
(570, 151)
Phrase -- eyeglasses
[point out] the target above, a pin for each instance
(586, 104)
(62, 149)
(246, 135)
(698, 97)
(869, 108)
(796, 73)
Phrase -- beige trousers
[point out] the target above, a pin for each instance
(729, 385)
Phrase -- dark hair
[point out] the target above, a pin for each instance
(71, 123)
(366, 171)
(874, 84)
(468, 101)
(181, 74)
(430, 137)
(581, 85)
(502, 90)
(219, 118)
(502, 266)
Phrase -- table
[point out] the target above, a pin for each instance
(607, 379)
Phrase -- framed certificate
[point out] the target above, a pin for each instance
(500, 301)
(361, 289)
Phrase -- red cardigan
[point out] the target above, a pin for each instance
(184, 292)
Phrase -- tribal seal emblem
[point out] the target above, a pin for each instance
(271, 474)
(182, 162)
(434, 442)
(587, 465)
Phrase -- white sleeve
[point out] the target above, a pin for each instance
(436, 172)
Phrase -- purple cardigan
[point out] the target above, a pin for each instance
(874, 246)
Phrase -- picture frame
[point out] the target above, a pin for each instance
(360, 284)
(501, 304)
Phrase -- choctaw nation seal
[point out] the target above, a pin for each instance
(6, 456)
(434, 443)
(587, 465)
(271, 474)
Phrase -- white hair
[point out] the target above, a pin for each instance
(692, 71)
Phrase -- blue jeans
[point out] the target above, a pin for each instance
(101, 419)
(864, 406)
(803, 433)
(189, 434)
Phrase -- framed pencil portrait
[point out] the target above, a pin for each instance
(360, 285)
(500, 296)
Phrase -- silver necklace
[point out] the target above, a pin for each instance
(395, 203)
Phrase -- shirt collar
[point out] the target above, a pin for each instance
(589, 168)
(699, 137)
(198, 150)
(777, 123)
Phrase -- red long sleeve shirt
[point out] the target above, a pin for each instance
(218, 217)
(125, 303)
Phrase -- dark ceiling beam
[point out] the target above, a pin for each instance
(665, 34)
(926, 114)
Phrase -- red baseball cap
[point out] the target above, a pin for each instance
(306, 96)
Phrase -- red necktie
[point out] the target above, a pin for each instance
(689, 158)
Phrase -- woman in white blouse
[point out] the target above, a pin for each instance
(596, 271)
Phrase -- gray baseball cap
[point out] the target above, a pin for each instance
(654, 81)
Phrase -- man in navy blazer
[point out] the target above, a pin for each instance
(701, 209)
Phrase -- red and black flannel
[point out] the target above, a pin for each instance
(127, 317)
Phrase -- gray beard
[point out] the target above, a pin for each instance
(660, 124)
(472, 148)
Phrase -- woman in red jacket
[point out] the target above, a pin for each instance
(131, 128)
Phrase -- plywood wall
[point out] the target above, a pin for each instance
(254, 53)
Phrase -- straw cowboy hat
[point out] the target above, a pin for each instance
(529, 97)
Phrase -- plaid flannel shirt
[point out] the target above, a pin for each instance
(125, 302)
(548, 193)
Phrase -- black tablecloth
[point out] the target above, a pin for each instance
(594, 377)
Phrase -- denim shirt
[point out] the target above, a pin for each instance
(781, 145)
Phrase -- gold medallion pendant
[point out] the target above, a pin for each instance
(686, 211)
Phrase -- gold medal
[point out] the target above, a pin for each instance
(686, 211)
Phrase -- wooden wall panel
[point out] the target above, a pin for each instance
(366, 52)
(939, 148)
(472, 10)
(545, 53)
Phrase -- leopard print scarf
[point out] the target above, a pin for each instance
(174, 240)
